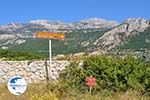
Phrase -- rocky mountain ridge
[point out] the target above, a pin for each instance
(115, 36)
(56, 25)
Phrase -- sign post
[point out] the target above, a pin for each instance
(50, 35)
(50, 52)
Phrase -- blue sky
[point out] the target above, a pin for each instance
(72, 10)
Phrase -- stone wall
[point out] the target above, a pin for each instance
(32, 71)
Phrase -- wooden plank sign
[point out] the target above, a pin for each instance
(50, 35)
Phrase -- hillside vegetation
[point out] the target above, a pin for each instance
(14, 55)
(139, 41)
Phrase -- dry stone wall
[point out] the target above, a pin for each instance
(32, 71)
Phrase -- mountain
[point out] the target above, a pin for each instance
(89, 35)
(97, 23)
(119, 34)
(18, 33)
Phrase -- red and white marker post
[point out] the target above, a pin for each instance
(91, 82)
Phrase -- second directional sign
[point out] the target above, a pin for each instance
(50, 35)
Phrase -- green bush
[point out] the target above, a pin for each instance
(111, 73)
(14, 55)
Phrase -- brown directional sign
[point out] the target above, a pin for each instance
(50, 35)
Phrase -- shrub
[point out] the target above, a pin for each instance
(14, 55)
(111, 73)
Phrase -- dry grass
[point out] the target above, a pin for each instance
(129, 95)
(40, 92)
(33, 92)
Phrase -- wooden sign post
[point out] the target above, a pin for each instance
(50, 35)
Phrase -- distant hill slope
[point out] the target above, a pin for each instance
(76, 41)
(139, 41)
